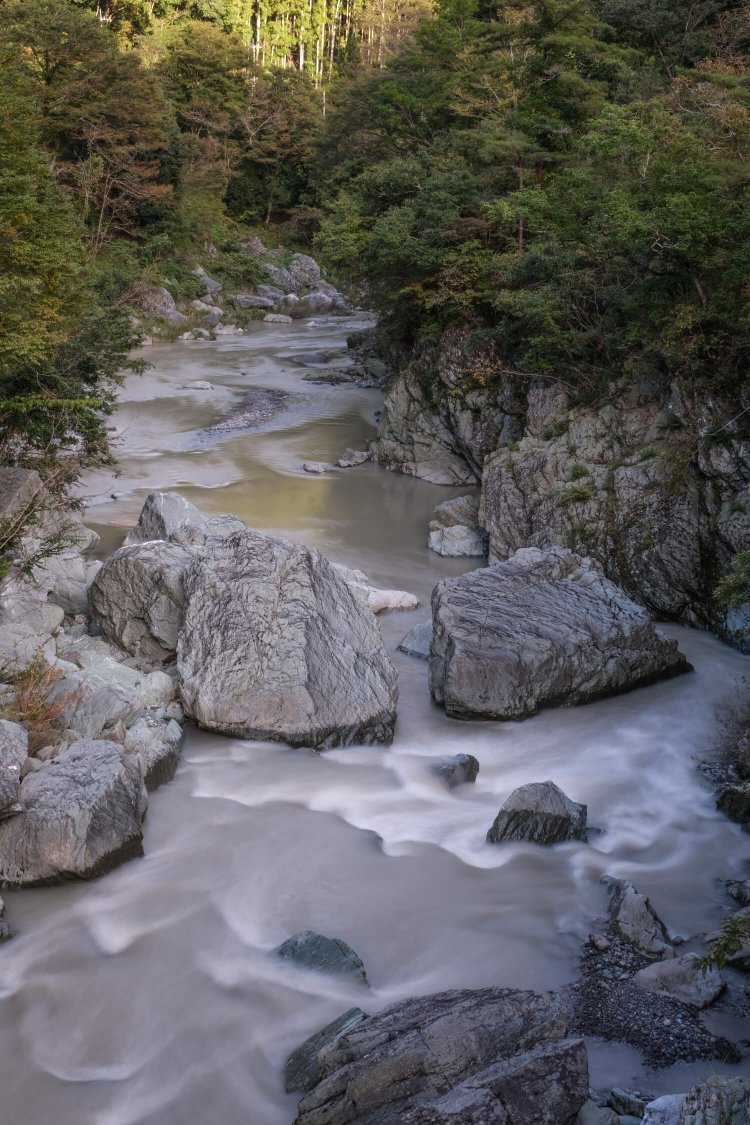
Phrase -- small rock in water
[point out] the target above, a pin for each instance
(353, 457)
(459, 770)
(198, 385)
(277, 318)
(323, 954)
(302, 1070)
(417, 641)
(541, 814)
(317, 466)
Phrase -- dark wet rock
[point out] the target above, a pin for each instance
(609, 1005)
(739, 889)
(276, 645)
(539, 813)
(734, 802)
(632, 916)
(167, 515)
(322, 954)
(301, 1070)
(683, 978)
(541, 629)
(13, 753)
(137, 598)
(83, 813)
(459, 770)
(417, 641)
(467, 1056)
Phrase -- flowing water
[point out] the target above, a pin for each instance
(151, 996)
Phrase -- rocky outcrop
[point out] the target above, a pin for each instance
(82, 815)
(539, 813)
(653, 488)
(169, 516)
(156, 301)
(491, 1055)
(632, 916)
(455, 530)
(541, 629)
(275, 645)
(323, 955)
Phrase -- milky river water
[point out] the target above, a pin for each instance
(151, 995)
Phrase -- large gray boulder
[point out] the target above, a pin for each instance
(717, 1101)
(539, 813)
(155, 300)
(427, 1060)
(14, 744)
(276, 645)
(543, 628)
(83, 813)
(169, 516)
(28, 622)
(455, 530)
(632, 916)
(301, 1069)
(97, 698)
(137, 598)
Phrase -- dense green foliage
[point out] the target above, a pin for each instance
(566, 178)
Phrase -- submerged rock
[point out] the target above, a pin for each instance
(542, 629)
(490, 1055)
(323, 954)
(83, 813)
(539, 813)
(276, 645)
(632, 916)
(459, 770)
(301, 1070)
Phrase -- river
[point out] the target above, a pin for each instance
(150, 996)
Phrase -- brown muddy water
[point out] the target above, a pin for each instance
(150, 996)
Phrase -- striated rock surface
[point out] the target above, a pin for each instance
(484, 1056)
(543, 628)
(539, 813)
(167, 515)
(137, 598)
(83, 813)
(301, 1070)
(276, 645)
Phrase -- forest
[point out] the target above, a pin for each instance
(567, 179)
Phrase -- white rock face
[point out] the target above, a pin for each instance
(455, 530)
(632, 916)
(169, 516)
(275, 645)
(13, 753)
(542, 629)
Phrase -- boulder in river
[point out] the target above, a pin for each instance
(322, 954)
(492, 1055)
(276, 645)
(458, 770)
(167, 515)
(137, 598)
(301, 1070)
(541, 629)
(418, 640)
(83, 813)
(455, 530)
(539, 813)
(683, 978)
(632, 916)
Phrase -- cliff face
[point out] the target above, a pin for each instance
(656, 491)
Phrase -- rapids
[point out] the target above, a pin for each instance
(150, 996)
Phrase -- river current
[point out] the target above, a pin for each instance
(151, 996)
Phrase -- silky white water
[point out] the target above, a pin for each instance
(151, 996)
